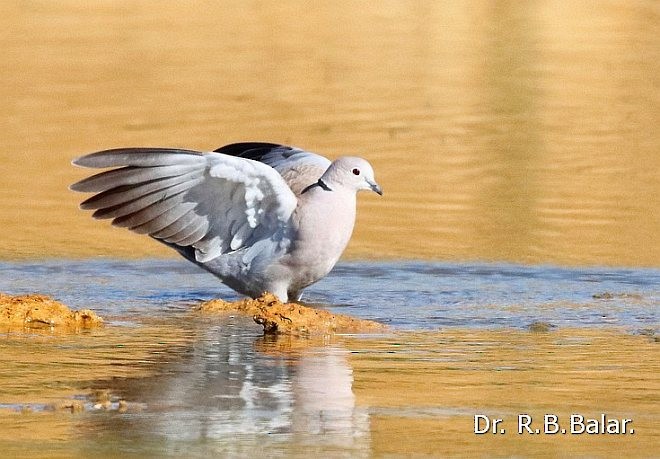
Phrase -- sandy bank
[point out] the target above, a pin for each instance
(41, 311)
(291, 318)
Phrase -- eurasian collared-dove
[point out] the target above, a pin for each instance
(260, 216)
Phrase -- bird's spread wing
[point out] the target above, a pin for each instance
(298, 168)
(213, 202)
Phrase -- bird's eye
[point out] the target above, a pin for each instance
(356, 171)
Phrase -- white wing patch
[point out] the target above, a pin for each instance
(256, 202)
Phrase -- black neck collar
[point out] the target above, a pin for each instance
(319, 183)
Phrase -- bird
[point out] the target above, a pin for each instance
(261, 217)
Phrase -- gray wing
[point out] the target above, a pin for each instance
(298, 168)
(212, 202)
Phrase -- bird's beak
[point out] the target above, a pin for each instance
(375, 187)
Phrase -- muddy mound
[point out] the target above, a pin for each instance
(41, 311)
(291, 318)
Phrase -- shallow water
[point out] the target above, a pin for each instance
(224, 391)
(204, 385)
(407, 295)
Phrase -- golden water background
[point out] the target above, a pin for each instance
(505, 131)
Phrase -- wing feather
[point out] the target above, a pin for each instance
(213, 202)
(240, 236)
(189, 218)
(129, 175)
(126, 193)
(152, 212)
(192, 234)
(298, 168)
(138, 204)
(139, 157)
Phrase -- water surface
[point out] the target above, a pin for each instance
(461, 344)
(406, 295)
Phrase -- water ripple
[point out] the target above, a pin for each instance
(408, 295)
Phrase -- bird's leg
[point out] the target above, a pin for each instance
(280, 291)
(295, 295)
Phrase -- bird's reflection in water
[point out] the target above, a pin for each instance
(235, 392)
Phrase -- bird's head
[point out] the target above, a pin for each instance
(353, 173)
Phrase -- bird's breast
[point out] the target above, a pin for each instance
(324, 224)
